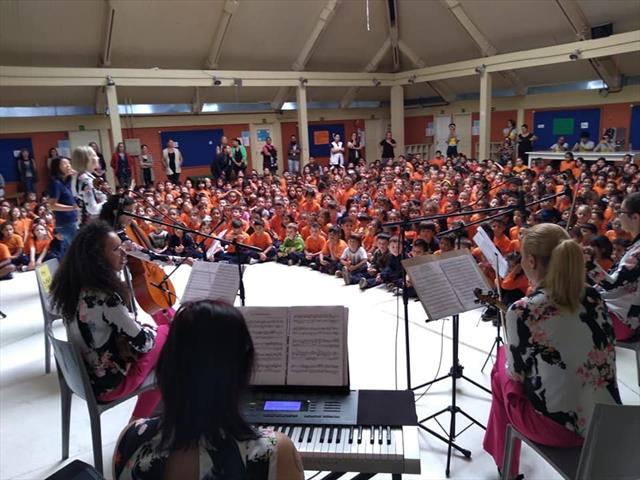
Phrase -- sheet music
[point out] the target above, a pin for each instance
(212, 281)
(491, 252)
(463, 274)
(268, 327)
(436, 295)
(317, 346)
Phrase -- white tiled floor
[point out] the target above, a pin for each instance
(30, 439)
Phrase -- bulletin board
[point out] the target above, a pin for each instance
(634, 137)
(198, 147)
(549, 125)
(8, 165)
(321, 136)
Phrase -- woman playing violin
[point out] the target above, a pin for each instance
(96, 306)
(85, 160)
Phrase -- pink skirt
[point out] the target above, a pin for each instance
(510, 405)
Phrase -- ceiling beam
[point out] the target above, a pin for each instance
(440, 88)
(371, 67)
(104, 57)
(311, 43)
(394, 33)
(196, 103)
(309, 46)
(614, 45)
(604, 67)
(215, 50)
(62, 76)
(487, 49)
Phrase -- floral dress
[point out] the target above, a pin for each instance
(101, 318)
(565, 361)
(621, 287)
(138, 455)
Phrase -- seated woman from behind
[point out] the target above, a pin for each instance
(203, 372)
(559, 359)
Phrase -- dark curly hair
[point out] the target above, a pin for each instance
(84, 266)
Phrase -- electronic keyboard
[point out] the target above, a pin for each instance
(368, 431)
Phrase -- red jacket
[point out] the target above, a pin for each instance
(115, 162)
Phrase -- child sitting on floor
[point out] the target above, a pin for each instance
(329, 258)
(353, 261)
(261, 239)
(292, 247)
(313, 245)
(379, 261)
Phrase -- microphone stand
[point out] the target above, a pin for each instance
(456, 370)
(237, 244)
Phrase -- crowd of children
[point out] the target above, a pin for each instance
(333, 219)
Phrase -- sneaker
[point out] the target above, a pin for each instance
(346, 275)
(313, 266)
(363, 283)
(339, 273)
(290, 262)
(391, 287)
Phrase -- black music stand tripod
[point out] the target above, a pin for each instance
(455, 372)
(500, 316)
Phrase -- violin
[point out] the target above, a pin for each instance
(491, 299)
(102, 185)
(152, 290)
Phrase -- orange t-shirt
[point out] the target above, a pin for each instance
(241, 238)
(314, 245)
(39, 245)
(5, 254)
(511, 282)
(14, 243)
(335, 251)
(260, 240)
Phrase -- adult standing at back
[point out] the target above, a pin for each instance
(337, 152)
(146, 165)
(27, 172)
(388, 145)
(61, 200)
(269, 157)
(122, 165)
(355, 149)
(294, 155)
(172, 161)
(525, 142)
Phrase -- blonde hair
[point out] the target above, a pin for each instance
(562, 259)
(81, 157)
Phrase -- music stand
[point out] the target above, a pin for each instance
(498, 340)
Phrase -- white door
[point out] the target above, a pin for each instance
(442, 132)
(463, 129)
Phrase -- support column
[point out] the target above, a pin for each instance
(485, 115)
(114, 115)
(520, 119)
(397, 118)
(303, 125)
